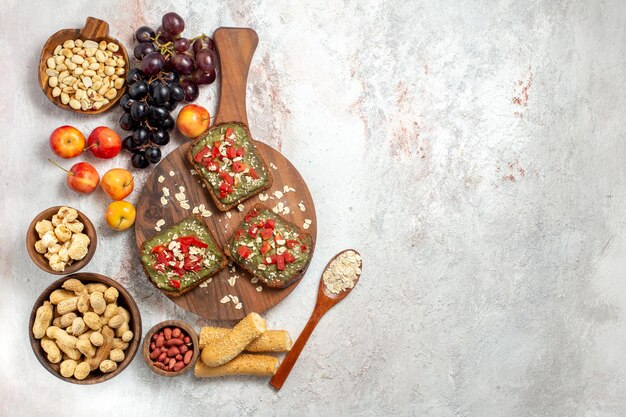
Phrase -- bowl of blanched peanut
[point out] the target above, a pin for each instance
(85, 328)
(61, 240)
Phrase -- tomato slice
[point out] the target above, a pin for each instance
(202, 154)
(226, 177)
(289, 258)
(240, 151)
(291, 243)
(191, 241)
(238, 167)
(158, 249)
(280, 262)
(266, 247)
(278, 238)
(270, 224)
(244, 251)
(253, 231)
(229, 132)
(266, 233)
(175, 283)
(231, 152)
(239, 233)
(253, 174)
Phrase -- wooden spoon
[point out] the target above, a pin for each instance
(325, 300)
(96, 30)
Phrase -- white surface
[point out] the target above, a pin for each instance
(492, 232)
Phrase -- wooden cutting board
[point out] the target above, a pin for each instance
(235, 47)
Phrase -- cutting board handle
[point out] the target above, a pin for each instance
(235, 47)
(95, 28)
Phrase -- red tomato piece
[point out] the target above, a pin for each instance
(231, 152)
(239, 233)
(240, 151)
(253, 231)
(266, 247)
(244, 251)
(223, 194)
(226, 177)
(266, 233)
(253, 174)
(303, 247)
(291, 243)
(278, 237)
(238, 166)
(175, 283)
(158, 249)
(280, 262)
(270, 223)
(191, 241)
(229, 132)
(202, 154)
(289, 258)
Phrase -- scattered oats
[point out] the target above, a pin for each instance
(201, 207)
(234, 298)
(172, 173)
(203, 185)
(288, 189)
(240, 207)
(180, 196)
(306, 226)
(166, 191)
(238, 306)
(225, 299)
(206, 284)
(259, 288)
(195, 210)
(161, 178)
(181, 189)
(193, 172)
(301, 206)
(232, 280)
(185, 205)
(159, 223)
(228, 214)
(278, 194)
(254, 280)
(163, 201)
(206, 213)
(286, 210)
(273, 166)
(262, 267)
(263, 197)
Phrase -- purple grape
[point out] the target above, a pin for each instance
(182, 64)
(143, 49)
(181, 45)
(191, 90)
(144, 34)
(164, 37)
(172, 23)
(205, 60)
(201, 78)
(202, 43)
(152, 63)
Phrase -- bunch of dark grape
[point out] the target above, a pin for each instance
(170, 71)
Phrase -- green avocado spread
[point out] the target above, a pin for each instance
(272, 248)
(229, 161)
(182, 255)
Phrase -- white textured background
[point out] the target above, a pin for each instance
(474, 151)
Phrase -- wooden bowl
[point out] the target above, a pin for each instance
(125, 300)
(96, 30)
(32, 236)
(145, 350)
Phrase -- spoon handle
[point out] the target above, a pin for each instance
(285, 367)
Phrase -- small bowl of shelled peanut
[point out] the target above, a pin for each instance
(85, 328)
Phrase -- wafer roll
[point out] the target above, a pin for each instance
(270, 341)
(221, 350)
(244, 364)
